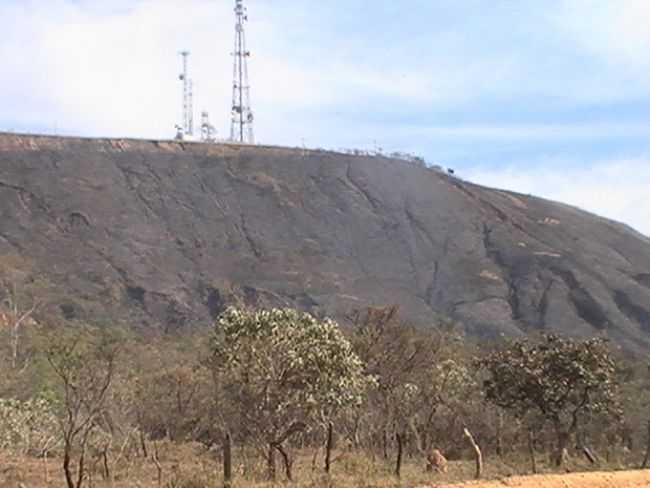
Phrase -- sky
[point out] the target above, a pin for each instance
(547, 97)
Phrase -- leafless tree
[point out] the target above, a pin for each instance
(16, 310)
(85, 370)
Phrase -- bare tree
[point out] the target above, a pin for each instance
(478, 456)
(19, 301)
(85, 368)
(17, 316)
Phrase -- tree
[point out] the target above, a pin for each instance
(20, 298)
(560, 379)
(417, 370)
(283, 371)
(635, 392)
(84, 366)
(171, 401)
(29, 427)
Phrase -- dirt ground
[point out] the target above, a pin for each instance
(621, 479)
(189, 465)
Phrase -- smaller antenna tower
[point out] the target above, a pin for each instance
(188, 94)
(208, 132)
(241, 129)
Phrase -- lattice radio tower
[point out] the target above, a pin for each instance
(241, 129)
(188, 103)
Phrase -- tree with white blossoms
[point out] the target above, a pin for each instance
(28, 427)
(283, 371)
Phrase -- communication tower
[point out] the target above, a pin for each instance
(241, 129)
(188, 103)
(208, 132)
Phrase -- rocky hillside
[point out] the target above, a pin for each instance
(166, 233)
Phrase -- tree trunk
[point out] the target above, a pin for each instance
(646, 460)
(477, 454)
(143, 444)
(400, 448)
(227, 461)
(328, 447)
(385, 443)
(425, 441)
(590, 455)
(14, 347)
(66, 465)
(155, 460)
(531, 450)
(355, 434)
(107, 472)
(314, 459)
(562, 454)
(499, 434)
(287, 462)
(419, 443)
(81, 472)
(271, 462)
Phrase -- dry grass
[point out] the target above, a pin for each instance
(190, 466)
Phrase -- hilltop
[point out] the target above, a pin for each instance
(161, 233)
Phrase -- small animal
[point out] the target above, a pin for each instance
(436, 461)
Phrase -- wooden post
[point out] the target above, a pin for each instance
(400, 447)
(531, 450)
(227, 461)
(47, 472)
(477, 453)
(646, 460)
(328, 447)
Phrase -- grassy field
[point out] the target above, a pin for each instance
(191, 466)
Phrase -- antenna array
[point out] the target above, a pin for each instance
(208, 131)
(241, 129)
(187, 130)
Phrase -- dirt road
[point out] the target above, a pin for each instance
(622, 479)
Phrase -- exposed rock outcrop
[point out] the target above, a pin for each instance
(170, 233)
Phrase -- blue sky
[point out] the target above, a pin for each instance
(549, 97)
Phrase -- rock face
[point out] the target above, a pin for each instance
(166, 233)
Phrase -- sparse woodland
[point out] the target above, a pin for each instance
(280, 396)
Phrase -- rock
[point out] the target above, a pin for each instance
(171, 233)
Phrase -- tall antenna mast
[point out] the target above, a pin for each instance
(241, 129)
(188, 108)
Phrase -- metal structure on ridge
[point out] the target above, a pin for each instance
(208, 131)
(241, 129)
(187, 130)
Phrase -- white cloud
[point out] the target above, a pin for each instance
(110, 68)
(98, 67)
(114, 71)
(533, 132)
(96, 70)
(614, 189)
(616, 30)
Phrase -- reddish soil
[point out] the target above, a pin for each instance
(621, 479)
